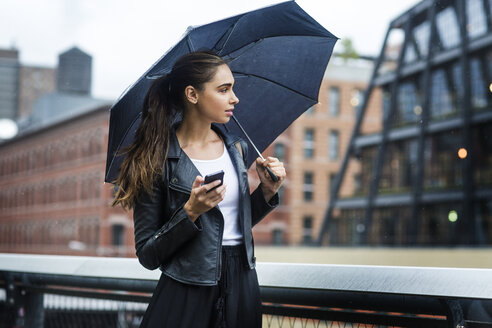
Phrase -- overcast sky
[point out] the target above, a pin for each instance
(125, 37)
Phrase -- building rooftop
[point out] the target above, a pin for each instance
(53, 108)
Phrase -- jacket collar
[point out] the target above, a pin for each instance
(182, 178)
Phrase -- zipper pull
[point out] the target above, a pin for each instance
(158, 235)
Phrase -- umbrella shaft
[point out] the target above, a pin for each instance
(269, 170)
(247, 137)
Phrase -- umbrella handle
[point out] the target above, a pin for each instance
(272, 175)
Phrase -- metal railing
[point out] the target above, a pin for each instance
(70, 291)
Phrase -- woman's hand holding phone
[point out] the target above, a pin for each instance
(205, 194)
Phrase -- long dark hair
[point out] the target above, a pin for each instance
(165, 99)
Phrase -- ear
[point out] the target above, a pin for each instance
(191, 94)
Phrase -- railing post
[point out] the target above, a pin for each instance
(9, 317)
(34, 316)
(454, 314)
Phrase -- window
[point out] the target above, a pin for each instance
(438, 223)
(281, 195)
(310, 111)
(279, 151)
(482, 141)
(118, 235)
(333, 145)
(309, 143)
(278, 237)
(447, 26)
(408, 107)
(478, 85)
(421, 34)
(476, 18)
(410, 54)
(308, 186)
(443, 168)
(441, 105)
(334, 101)
(307, 230)
(399, 166)
(331, 182)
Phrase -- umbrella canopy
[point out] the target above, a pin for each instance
(278, 56)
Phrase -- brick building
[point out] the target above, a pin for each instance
(312, 149)
(52, 196)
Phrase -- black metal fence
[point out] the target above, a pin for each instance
(65, 291)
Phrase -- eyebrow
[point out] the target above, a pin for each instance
(224, 85)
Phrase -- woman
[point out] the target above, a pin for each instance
(198, 234)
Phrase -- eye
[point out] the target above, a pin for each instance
(224, 90)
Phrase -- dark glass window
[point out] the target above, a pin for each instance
(409, 105)
(442, 105)
(331, 181)
(478, 86)
(390, 226)
(118, 235)
(442, 166)
(278, 237)
(448, 28)
(458, 86)
(334, 144)
(307, 230)
(367, 162)
(485, 219)
(399, 168)
(438, 222)
(279, 151)
(309, 143)
(476, 18)
(308, 186)
(386, 103)
(421, 34)
(482, 146)
(334, 101)
(350, 227)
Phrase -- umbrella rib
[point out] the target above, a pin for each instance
(276, 83)
(228, 37)
(190, 43)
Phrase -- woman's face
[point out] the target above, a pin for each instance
(216, 100)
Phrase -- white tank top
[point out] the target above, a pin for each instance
(229, 205)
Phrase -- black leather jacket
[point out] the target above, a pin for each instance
(165, 236)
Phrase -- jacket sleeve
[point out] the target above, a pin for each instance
(159, 235)
(260, 207)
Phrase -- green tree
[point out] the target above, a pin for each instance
(348, 50)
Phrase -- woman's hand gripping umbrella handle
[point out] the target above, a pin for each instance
(270, 172)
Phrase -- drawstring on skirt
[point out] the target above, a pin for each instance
(228, 252)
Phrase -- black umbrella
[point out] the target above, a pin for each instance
(278, 56)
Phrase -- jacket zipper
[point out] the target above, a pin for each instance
(219, 244)
(160, 233)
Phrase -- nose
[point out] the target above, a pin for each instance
(234, 99)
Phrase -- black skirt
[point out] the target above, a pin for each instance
(234, 303)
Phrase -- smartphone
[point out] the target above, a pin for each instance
(219, 175)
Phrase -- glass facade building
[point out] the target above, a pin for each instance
(426, 178)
